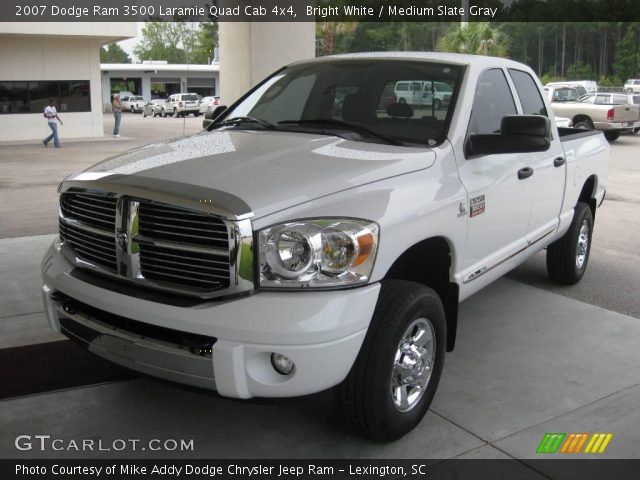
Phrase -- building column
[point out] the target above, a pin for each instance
(250, 51)
(146, 85)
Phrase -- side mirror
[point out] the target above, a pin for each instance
(211, 115)
(518, 134)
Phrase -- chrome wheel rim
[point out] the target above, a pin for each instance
(583, 245)
(413, 365)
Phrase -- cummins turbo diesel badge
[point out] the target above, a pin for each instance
(477, 206)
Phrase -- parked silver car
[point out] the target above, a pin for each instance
(153, 107)
(207, 102)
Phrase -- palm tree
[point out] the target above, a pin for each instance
(477, 37)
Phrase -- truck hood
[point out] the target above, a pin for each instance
(269, 171)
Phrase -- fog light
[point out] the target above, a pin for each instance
(282, 364)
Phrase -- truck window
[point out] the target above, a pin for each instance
(493, 100)
(620, 99)
(386, 98)
(528, 92)
(603, 100)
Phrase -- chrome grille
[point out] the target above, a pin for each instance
(99, 248)
(165, 222)
(189, 248)
(94, 210)
(146, 242)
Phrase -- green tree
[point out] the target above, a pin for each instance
(206, 42)
(625, 61)
(477, 38)
(113, 53)
(580, 71)
(170, 41)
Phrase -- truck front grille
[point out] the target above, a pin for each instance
(192, 248)
(149, 243)
(99, 248)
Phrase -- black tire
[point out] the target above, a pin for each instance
(364, 399)
(562, 255)
(583, 125)
(402, 100)
(612, 136)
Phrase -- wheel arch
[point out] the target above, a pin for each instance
(588, 193)
(429, 262)
(580, 117)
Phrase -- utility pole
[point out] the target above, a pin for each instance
(464, 18)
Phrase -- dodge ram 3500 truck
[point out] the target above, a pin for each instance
(316, 235)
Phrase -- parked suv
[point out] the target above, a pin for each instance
(134, 103)
(632, 85)
(182, 104)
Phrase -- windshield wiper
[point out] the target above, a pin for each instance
(236, 120)
(332, 122)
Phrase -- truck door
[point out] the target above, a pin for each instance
(499, 194)
(549, 168)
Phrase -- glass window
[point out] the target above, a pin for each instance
(528, 92)
(567, 94)
(75, 96)
(602, 99)
(34, 96)
(14, 97)
(620, 99)
(363, 100)
(493, 101)
(587, 99)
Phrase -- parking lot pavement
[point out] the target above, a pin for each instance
(30, 173)
(527, 361)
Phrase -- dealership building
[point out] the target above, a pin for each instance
(158, 79)
(61, 60)
(43, 60)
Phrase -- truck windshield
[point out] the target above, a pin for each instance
(389, 101)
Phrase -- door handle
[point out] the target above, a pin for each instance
(525, 172)
(559, 161)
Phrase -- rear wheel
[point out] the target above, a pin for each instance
(567, 257)
(396, 374)
(583, 124)
(612, 136)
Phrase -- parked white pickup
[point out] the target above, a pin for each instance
(319, 235)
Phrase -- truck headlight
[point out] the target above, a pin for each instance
(317, 253)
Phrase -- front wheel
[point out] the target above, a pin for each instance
(396, 373)
(567, 257)
(612, 136)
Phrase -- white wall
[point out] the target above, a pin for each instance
(250, 51)
(52, 58)
(114, 30)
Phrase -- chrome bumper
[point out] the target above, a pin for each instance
(149, 356)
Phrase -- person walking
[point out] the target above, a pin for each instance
(51, 114)
(117, 114)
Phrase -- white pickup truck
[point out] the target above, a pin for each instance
(298, 245)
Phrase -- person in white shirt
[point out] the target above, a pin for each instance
(51, 114)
